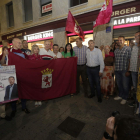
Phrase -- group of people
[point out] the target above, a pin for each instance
(96, 66)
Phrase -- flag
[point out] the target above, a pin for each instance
(73, 26)
(44, 79)
(105, 13)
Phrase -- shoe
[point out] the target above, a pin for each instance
(36, 104)
(71, 95)
(26, 111)
(13, 114)
(91, 96)
(100, 100)
(132, 104)
(117, 98)
(7, 118)
(123, 102)
(39, 103)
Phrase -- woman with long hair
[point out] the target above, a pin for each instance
(68, 51)
(35, 56)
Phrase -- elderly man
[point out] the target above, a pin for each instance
(25, 47)
(95, 67)
(16, 50)
(46, 50)
(80, 52)
(56, 52)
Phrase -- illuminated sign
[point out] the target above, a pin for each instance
(40, 35)
(124, 11)
(127, 20)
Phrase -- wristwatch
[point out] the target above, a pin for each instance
(107, 136)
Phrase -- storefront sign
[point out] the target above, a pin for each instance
(127, 20)
(47, 8)
(13, 36)
(40, 35)
(124, 11)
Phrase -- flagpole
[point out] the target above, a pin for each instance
(94, 36)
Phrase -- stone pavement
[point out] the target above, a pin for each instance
(42, 122)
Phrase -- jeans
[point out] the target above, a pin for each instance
(81, 70)
(14, 106)
(135, 81)
(123, 83)
(94, 80)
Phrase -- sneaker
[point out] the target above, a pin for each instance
(117, 98)
(123, 102)
(36, 104)
(39, 103)
(132, 104)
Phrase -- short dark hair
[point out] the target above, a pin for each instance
(79, 38)
(127, 127)
(24, 40)
(12, 77)
(121, 37)
(137, 32)
(55, 45)
(61, 48)
(4, 47)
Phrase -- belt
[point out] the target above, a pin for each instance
(81, 65)
(94, 67)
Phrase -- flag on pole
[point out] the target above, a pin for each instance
(73, 26)
(105, 13)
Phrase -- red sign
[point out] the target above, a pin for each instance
(46, 8)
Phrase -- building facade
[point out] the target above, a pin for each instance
(39, 20)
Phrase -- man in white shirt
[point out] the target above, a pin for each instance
(95, 67)
(56, 52)
(46, 50)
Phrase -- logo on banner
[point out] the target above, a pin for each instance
(76, 27)
(107, 2)
(47, 78)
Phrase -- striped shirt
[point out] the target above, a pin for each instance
(122, 57)
(134, 59)
(81, 54)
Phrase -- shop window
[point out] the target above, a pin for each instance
(28, 10)
(46, 7)
(10, 14)
(77, 2)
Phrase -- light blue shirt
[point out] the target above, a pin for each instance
(19, 54)
(95, 58)
(10, 92)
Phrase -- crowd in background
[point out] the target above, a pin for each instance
(107, 69)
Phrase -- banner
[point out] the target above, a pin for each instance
(8, 84)
(73, 26)
(105, 13)
(44, 79)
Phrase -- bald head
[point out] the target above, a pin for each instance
(47, 45)
(16, 43)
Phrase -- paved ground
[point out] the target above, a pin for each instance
(42, 122)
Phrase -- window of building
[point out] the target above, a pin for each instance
(10, 14)
(28, 10)
(77, 2)
(46, 7)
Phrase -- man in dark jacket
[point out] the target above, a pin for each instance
(11, 90)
